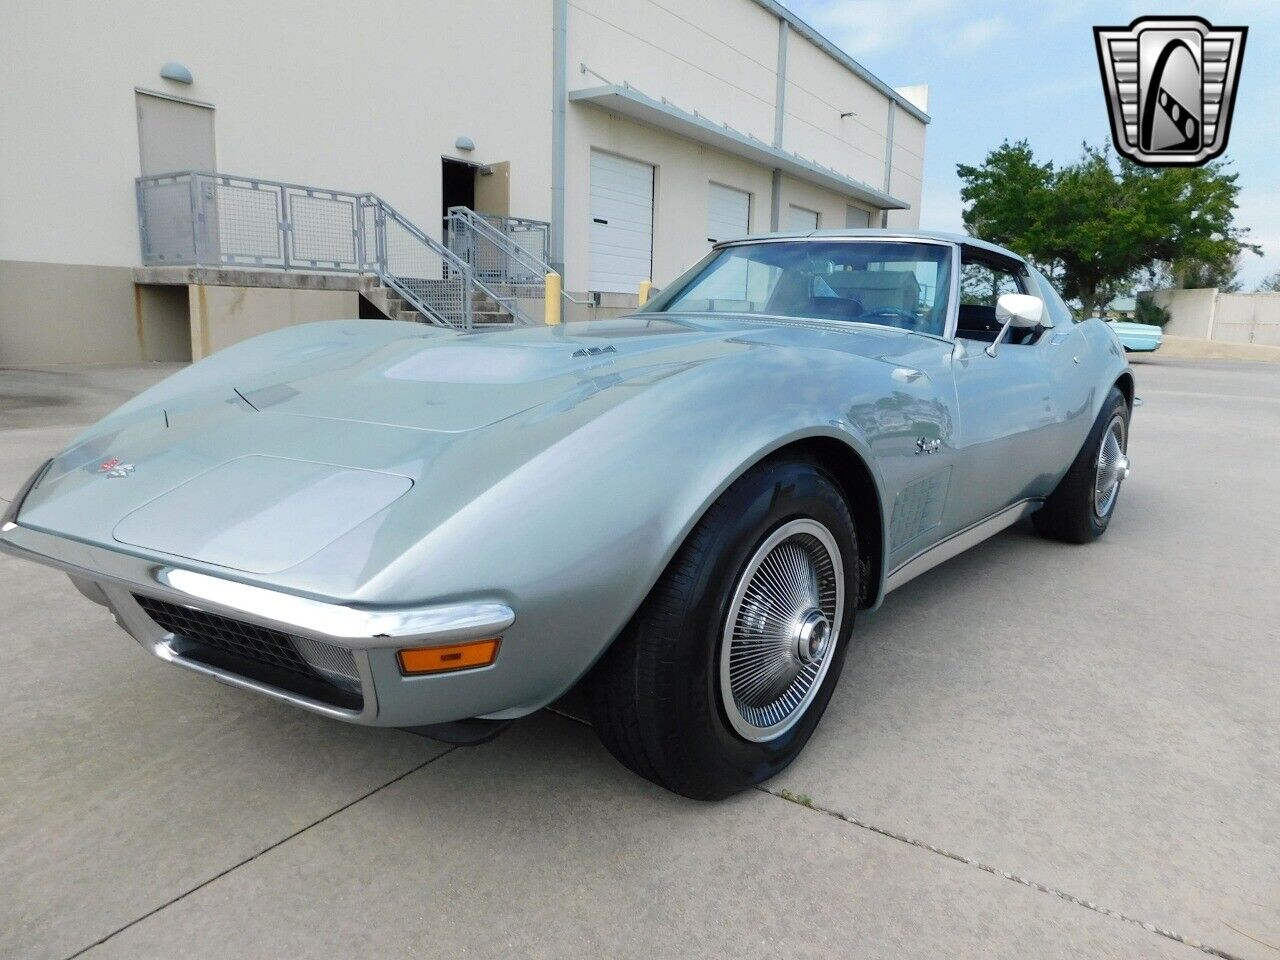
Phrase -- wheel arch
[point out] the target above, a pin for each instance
(861, 493)
(837, 454)
(1124, 383)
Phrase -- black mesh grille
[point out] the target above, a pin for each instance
(246, 648)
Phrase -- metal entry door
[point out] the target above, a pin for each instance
(174, 135)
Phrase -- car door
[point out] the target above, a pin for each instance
(912, 426)
(1006, 403)
(1072, 375)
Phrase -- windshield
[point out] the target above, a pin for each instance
(893, 283)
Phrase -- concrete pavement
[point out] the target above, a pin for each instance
(1099, 722)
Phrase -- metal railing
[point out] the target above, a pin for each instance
(504, 250)
(510, 254)
(194, 218)
(423, 272)
(497, 250)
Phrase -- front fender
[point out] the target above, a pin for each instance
(574, 539)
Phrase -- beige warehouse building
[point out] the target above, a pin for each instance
(180, 176)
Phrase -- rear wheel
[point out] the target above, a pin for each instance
(722, 675)
(1080, 509)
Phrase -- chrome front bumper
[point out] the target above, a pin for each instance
(372, 635)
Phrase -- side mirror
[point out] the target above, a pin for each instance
(1020, 310)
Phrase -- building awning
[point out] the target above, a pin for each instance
(629, 102)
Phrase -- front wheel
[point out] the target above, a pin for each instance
(722, 675)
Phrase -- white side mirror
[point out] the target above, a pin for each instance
(1019, 310)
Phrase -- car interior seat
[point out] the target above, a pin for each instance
(878, 289)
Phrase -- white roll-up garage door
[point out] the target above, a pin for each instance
(856, 216)
(801, 218)
(621, 223)
(728, 213)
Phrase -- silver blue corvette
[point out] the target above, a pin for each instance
(680, 512)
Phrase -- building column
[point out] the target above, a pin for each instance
(888, 157)
(779, 115)
(775, 201)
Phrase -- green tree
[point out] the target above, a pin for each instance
(1147, 310)
(1096, 225)
(1270, 283)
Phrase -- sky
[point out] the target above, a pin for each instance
(1014, 69)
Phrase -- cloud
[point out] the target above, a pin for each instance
(978, 33)
(874, 26)
(942, 209)
(883, 26)
(1260, 211)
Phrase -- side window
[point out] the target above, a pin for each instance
(982, 283)
(1059, 312)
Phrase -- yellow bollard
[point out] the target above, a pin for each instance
(551, 309)
(645, 287)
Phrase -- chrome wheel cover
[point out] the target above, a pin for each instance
(781, 630)
(1113, 467)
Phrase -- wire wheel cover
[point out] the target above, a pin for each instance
(1112, 468)
(782, 627)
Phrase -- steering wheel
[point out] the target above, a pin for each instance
(892, 317)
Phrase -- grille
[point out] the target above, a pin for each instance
(326, 673)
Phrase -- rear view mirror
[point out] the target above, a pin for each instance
(1019, 310)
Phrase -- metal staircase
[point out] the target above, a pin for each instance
(506, 254)
(209, 219)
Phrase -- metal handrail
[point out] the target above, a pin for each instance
(468, 221)
(480, 223)
(402, 284)
(204, 218)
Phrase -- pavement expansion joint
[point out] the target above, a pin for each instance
(265, 850)
(803, 801)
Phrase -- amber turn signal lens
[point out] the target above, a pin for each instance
(455, 656)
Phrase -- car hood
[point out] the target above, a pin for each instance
(454, 384)
(351, 439)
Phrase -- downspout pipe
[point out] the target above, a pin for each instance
(559, 100)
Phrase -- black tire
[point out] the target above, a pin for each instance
(1070, 514)
(655, 698)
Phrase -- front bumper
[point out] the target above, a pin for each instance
(367, 638)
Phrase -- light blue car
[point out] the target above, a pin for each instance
(1137, 337)
(682, 512)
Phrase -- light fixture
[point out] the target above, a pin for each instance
(175, 71)
(446, 659)
(465, 144)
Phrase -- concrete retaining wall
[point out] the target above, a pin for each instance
(1209, 314)
(221, 316)
(79, 313)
